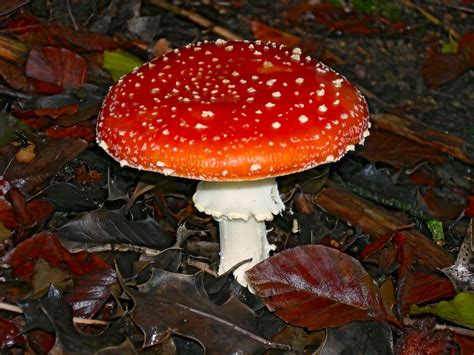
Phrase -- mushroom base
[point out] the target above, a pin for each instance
(241, 208)
(242, 240)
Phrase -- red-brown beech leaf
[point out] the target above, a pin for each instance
(175, 303)
(58, 66)
(10, 335)
(316, 287)
(441, 68)
(383, 146)
(418, 283)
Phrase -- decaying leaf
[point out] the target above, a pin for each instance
(423, 339)
(397, 151)
(69, 340)
(317, 287)
(418, 283)
(174, 303)
(112, 226)
(462, 272)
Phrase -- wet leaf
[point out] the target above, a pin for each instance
(9, 127)
(13, 75)
(48, 247)
(423, 339)
(462, 272)
(269, 34)
(441, 207)
(459, 310)
(10, 335)
(10, 6)
(37, 32)
(466, 48)
(112, 226)
(175, 303)
(317, 287)
(51, 155)
(440, 69)
(44, 275)
(119, 63)
(69, 340)
(383, 146)
(359, 338)
(90, 274)
(417, 283)
(58, 66)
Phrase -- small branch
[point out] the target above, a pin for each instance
(377, 221)
(198, 19)
(456, 330)
(431, 18)
(15, 309)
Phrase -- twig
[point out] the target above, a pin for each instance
(201, 266)
(196, 18)
(15, 309)
(73, 20)
(457, 330)
(431, 18)
(377, 221)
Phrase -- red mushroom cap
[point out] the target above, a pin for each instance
(231, 111)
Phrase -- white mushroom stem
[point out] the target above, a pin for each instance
(241, 208)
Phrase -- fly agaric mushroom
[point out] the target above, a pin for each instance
(234, 115)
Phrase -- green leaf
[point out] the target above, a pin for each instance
(436, 229)
(459, 310)
(10, 126)
(449, 47)
(119, 63)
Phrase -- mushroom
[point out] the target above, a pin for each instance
(235, 115)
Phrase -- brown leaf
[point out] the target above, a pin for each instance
(13, 75)
(51, 155)
(418, 283)
(441, 68)
(175, 303)
(269, 34)
(317, 287)
(383, 146)
(58, 66)
(466, 47)
(440, 207)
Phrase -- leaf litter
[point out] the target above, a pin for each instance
(57, 189)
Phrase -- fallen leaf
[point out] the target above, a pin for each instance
(13, 75)
(462, 272)
(417, 283)
(69, 340)
(44, 275)
(47, 246)
(441, 68)
(316, 287)
(383, 146)
(58, 66)
(91, 275)
(10, 128)
(422, 339)
(361, 338)
(51, 155)
(119, 63)
(112, 226)
(269, 34)
(466, 48)
(10, 335)
(459, 310)
(36, 32)
(441, 207)
(175, 303)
